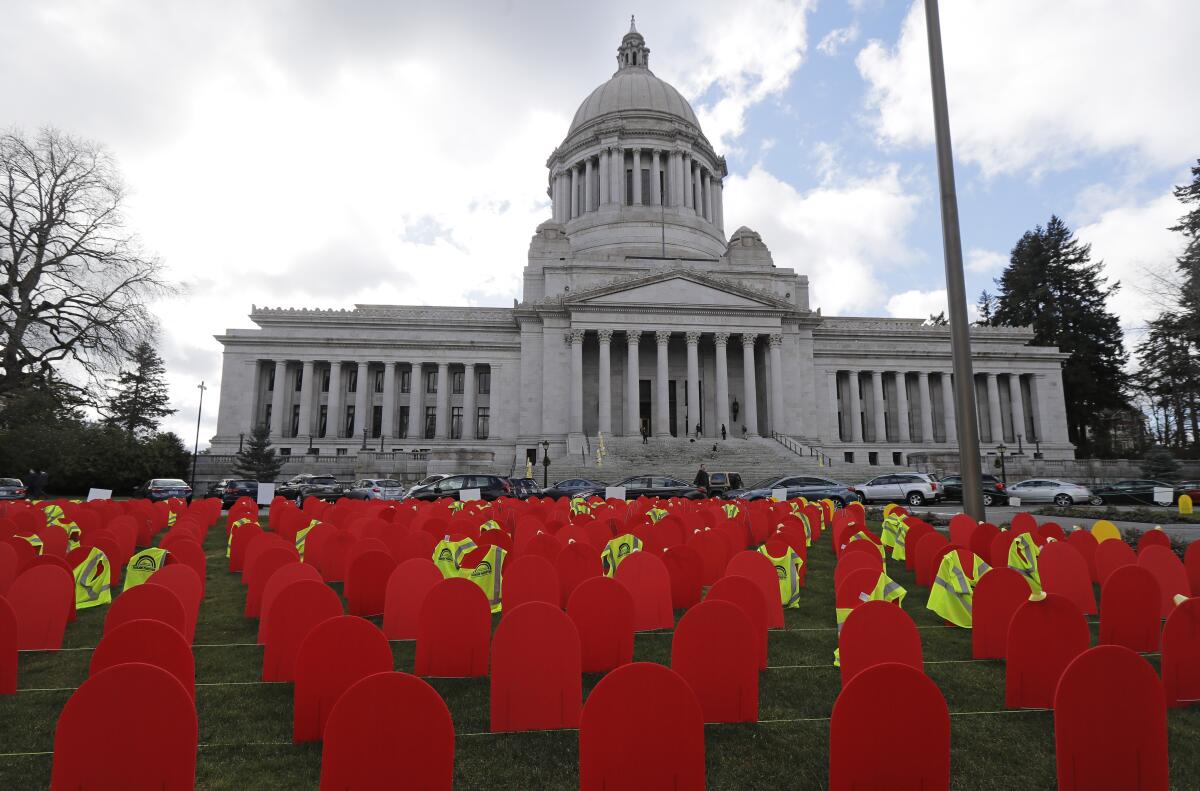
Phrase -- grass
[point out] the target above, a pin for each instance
(245, 725)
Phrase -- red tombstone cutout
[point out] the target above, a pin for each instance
(646, 578)
(263, 566)
(257, 545)
(928, 551)
(855, 561)
(191, 554)
(1168, 569)
(152, 642)
(332, 555)
(366, 742)
(283, 576)
(636, 705)
(334, 655)
(8, 566)
(1050, 530)
(296, 610)
(42, 599)
(453, 630)
(962, 526)
(536, 670)
(685, 569)
(997, 596)
(1191, 562)
(982, 539)
(713, 552)
(366, 582)
(745, 594)
(574, 564)
(759, 570)
(912, 539)
(1086, 543)
(876, 633)
(1153, 538)
(406, 590)
(417, 545)
(528, 578)
(1023, 522)
(24, 551)
(54, 541)
(1043, 637)
(863, 755)
(545, 544)
(715, 651)
(602, 611)
(181, 581)
(1110, 556)
(8, 648)
(151, 746)
(1131, 609)
(1110, 723)
(1064, 571)
(155, 602)
(1181, 655)
(242, 536)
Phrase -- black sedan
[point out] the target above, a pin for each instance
(304, 485)
(238, 487)
(157, 489)
(806, 486)
(1133, 493)
(650, 486)
(490, 487)
(993, 489)
(573, 486)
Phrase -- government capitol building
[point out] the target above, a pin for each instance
(640, 312)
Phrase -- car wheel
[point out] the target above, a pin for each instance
(1096, 499)
(839, 502)
(915, 499)
(988, 499)
(1063, 500)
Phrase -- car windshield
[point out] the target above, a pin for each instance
(765, 483)
(323, 480)
(167, 482)
(388, 483)
(9, 482)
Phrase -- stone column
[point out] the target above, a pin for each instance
(605, 422)
(948, 409)
(362, 417)
(676, 168)
(708, 212)
(333, 425)
(686, 165)
(1018, 407)
(575, 339)
(589, 176)
(856, 423)
(750, 389)
(905, 434)
(877, 409)
(416, 402)
(637, 177)
(633, 422)
(718, 206)
(387, 427)
(926, 407)
(468, 428)
(777, 422)
(655, 188)
(574, 192)
(697, 189)
(1037, 391)
(617, 161)
(835, 424)
(277, 393)
(662, 418)
(995, 420)
(306, 399)
(605, 176)
(441, 421)
(694, 415)
(722, 344)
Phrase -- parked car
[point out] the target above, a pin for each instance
(1190, 488)
(651, 486)
(1131, 493)
(572, 486)
(914, 488)
(719, 482)
(524, 487)
(305, 485)
(238, 487)
(428, 479)
(217, 488)
(1046, 490)
(375, 489)
(993, 489)
(157, 489)
(12, 489)
(490, 487)
(806, 486)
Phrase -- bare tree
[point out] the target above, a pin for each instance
(74, 281)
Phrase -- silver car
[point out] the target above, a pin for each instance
(914, 488)
(376, 489)
(12, 489)
(1048, 490)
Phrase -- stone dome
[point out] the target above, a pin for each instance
(633, 90)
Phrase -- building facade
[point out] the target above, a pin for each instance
(639, 314)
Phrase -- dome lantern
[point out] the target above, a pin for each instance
(633, 52)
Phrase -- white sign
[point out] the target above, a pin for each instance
(266, 493)
(99, 494)
(1163, 495)
(468, 494)
(614, 493)
(779, 494)
(1015, 501)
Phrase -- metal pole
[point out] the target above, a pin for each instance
(956, 291)
(196, 446)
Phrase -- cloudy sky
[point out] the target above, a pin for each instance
(319, 154)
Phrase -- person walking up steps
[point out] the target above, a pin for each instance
(701, 481)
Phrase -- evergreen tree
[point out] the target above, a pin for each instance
(1052, 284)
(1188, 263)
(1169, 374)
(141, 399)
(1159, 465)
(986, 308)
(937, 320)
(258, 460)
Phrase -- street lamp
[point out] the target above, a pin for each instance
(196, 447)
(241, 439)
(545, 464)
(1003, 469)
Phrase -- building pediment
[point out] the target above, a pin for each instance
(678, 288)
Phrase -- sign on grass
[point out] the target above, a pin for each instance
(1014, 501)
(779, 494)
(1163, 495)
(99, 494)
(468, 494)
(266, 493)
(614, 493)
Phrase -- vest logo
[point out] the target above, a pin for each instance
(781, 571)
(482, 570)
(145, 563)
(445, 555)
(622, 550)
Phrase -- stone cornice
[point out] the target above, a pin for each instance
(319, 348)
(387, 315)
(673, 270)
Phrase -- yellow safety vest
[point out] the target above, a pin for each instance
(580, 506)
(171, 517)
(862, 536)
(93, 579)
(245, 520)
(886, 589)
(490, 524)
(656, 514)
(143, 564)
(617, 550)
(57, 517)
(952, 591)
(894, 531)
(302, 537)
(1022, 557)
(35, 542)
(448, 555)
(487, 575)
(731, 510)
(807, 527)
(787, 568)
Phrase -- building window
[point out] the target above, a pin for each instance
(352, 386)
(325, 374)
(629, 187)
(315, 451)
(379, 381)
(456, 382)
(267, 415)
(403, 422)
(376, 421)
(456, 416)
(482, 423)
(341, 451)
(405, 381)
(299, 379)
(295, 420)
(431, 382)
(322, 420)
(285, 451)
(484, 378)
(271, 378)
(349, 421)
(430, 421)
(645, 187)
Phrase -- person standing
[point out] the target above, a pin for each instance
(722, 432)
(645, 434)
(43, 482)
(31, 483)
(701, 481)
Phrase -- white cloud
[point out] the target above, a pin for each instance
(985, 261)
(918, 304)
(1036, 86)
(837, 38)
(841, 235)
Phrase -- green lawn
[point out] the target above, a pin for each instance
(245, 725)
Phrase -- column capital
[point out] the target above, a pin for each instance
(748, 338)
(776, 340)
(721, 338)
(633, 336)
(468, 365)
(605, 335)
(693, 337)
(573, 336)
(662, 337)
